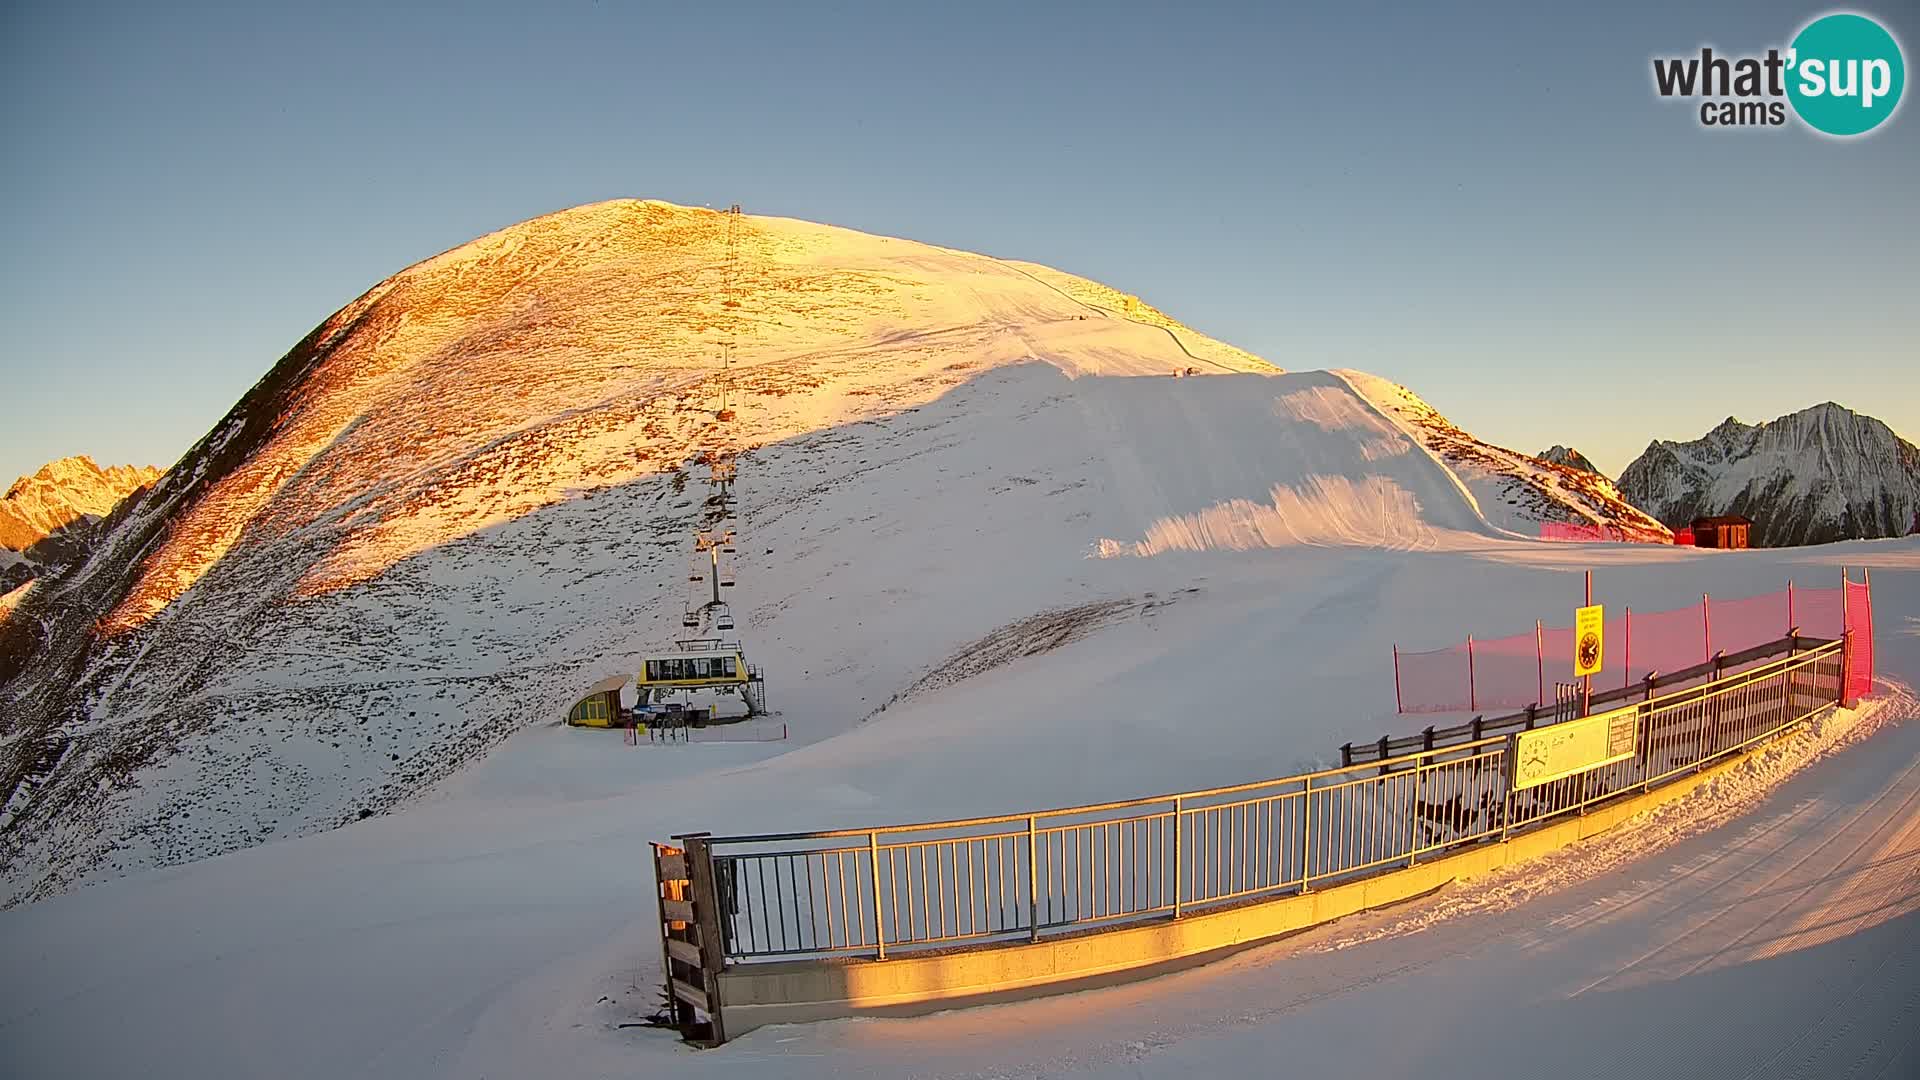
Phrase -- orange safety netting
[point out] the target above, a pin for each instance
(1521, 669)
(1581, 532)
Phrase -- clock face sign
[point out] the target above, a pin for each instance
(1589, 640)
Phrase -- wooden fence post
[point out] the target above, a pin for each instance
(706, 911)
(670, 887)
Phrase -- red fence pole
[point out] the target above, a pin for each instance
(1790, 623)
(1473, 697)
(1627, 664)
(1846, 635)
(1539, 663)
(1398, 707)
(1866, 572)
(1706, 626)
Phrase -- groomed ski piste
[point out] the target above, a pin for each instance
(1058, 576)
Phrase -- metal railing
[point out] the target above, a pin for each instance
(1021, 876)
(1533, 715)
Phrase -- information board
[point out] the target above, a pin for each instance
(1561, 750)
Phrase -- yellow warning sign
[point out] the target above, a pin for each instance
(1589, 643)
(1574, 746)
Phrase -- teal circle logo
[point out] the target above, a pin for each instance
(1845, 74)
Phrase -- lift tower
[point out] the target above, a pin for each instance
(709, 655)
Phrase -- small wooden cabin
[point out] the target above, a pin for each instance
(1723, 531)
(601, 706)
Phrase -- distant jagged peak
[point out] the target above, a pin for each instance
(64, 491)
(81, 470)
(1569, 457)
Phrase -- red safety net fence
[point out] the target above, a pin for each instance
(1521, 669)
(1581, 532)
(1859, 617)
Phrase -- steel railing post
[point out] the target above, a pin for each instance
(1413, 816)
(1506, 782)
(1846, 668)
(879, 928)
(1306, 833)
(1033, 883)
(1177, 875)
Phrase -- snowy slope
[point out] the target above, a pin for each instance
(1822, 474)
(463, 499)
(1515, 491)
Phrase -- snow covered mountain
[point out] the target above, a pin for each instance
(48, 519)
(1515, 491)
(1822, 474)
(463, 499)
(1568, 456)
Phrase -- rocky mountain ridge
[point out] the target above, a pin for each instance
(1822, 474)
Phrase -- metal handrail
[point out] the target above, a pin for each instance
(1371, 765)
(1201, 849)
(1528, 717)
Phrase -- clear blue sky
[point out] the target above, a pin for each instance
(1486, 203)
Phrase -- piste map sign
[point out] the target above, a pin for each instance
(1562, 750)
(1589, 641)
